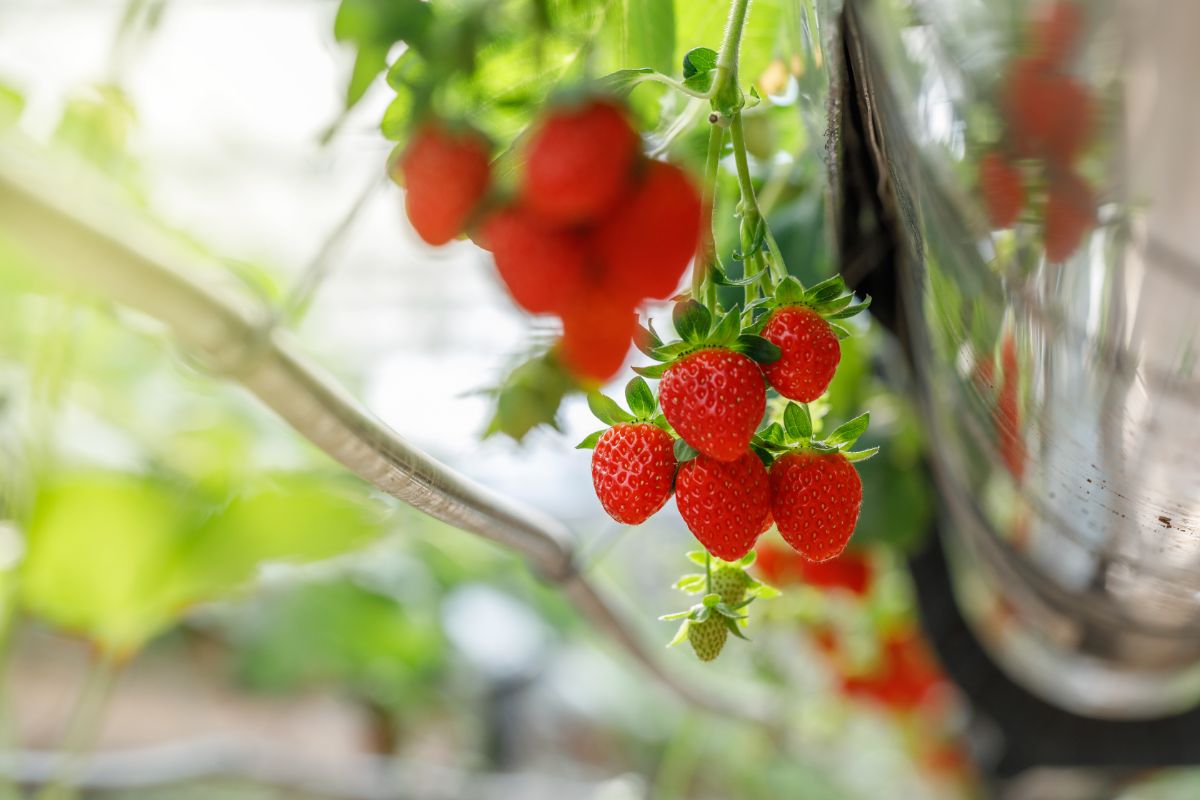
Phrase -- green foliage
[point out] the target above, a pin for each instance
(117, 557)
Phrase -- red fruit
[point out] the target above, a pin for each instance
(1070, 212)
(724, 502)
(632, 469)
(1029, 104)
(647, 242)
(809, 353)
(543, 268)
(597, 332)
(905, 678)
(714, 399)
(815, 498)
(1000, 185)
(579, 162)
(851, 571)
(1071, 120)
(446, 173)
(1055, 34)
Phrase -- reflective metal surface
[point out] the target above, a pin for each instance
(1043, 165)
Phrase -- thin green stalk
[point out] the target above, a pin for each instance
(702, 273)
(83, 728)
(725, 85)
(707, 572)
(737, 134)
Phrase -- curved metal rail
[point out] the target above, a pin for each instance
(110, 251)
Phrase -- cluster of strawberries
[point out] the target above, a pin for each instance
(1048, 119)
(732, 481)
(592, 230)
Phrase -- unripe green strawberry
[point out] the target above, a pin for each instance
(579, 162)
(633, 466)
(445, 174)
(647, 242)
(815, 498)
(542, 267)
(715, 399)
(723, 503)
(731, 583)
(809, 353)
(707, 638)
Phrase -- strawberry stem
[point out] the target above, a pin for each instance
(702, 272)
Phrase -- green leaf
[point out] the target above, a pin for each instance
(702, 614)
(734, 628)
(846, 434)
(851, 311)
(747, 560)
(699, 59)
(731, 612)
(727, 330)
(640, 399)
(669, 352)
(653, 371)
(660, 421)
(647, 340)
(691, 583)
(676, 615)
(835, 305)
(700, 82)
(621, 82)
(698, 557)
(650, 34)
(684, 452)
(789, 292)
(368, 64)
(606, 409)
(797, 422)
(757, 348)
(589, 441)
(711, 600)
(382, 22)
(765, 592)
(680, 635)
(692, 321)
(839, 331)
(860, 455)
(825, 291)
(773, 434)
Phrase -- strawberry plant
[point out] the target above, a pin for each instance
(587, 222)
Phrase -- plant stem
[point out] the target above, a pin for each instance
(83, 727)
(737, 134)
(725, 83)
(707, 572)
(702, 273)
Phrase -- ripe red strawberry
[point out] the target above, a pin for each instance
(1071, 120)
(1070, 212)
(1000, 186)
(542, 267)
(715, 398)
(578, 162)
(445, 174)
(815, 498)
(632, 469)
(723, 502)
(647, 242)
(1055, 33)
(598, 329)
(809, 353)
(1029, 104)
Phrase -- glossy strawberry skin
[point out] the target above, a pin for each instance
(724, 502)
(633, 466)
(579, 162)
(445, 173)
(647, 242)
(1001, 190)
(815, 498)
(714, 399)
(809, 353)
(598, 330)
(1070, 214)
(542, 267)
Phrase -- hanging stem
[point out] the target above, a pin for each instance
(726, 92)
(702, 273)
(707, 572)
(83, 727)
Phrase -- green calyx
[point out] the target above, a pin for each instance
(725, 590)
(643, 407)
(698, 329)
(830, 298)
(797, 433)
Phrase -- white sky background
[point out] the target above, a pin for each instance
(231, 98)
